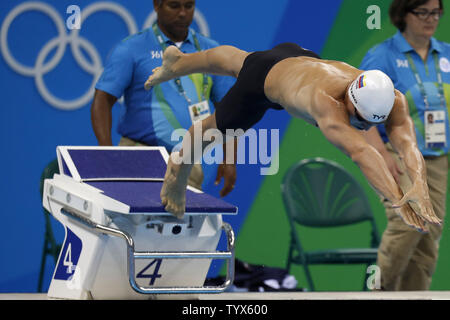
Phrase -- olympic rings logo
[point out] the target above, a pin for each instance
(76, 42)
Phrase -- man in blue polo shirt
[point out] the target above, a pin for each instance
(150, 117)
(419, 67)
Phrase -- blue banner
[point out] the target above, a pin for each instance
(51, 55)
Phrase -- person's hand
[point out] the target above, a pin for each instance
(228, 173)
(409, 216)
(420, 201)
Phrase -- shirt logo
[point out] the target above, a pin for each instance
(444, 64)
(402, 63)
(156, 54)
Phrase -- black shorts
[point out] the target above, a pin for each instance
(245, 103)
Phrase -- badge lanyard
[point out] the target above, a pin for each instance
(434, 135)
(420, 82)
(180, 88)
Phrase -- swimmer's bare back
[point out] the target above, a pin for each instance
(299, 84)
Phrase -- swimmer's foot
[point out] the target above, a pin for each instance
(173, 191)
(166, 71)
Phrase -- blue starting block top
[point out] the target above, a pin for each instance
(133, 176)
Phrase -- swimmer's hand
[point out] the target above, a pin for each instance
(228, 173)
(411, 218)
(420, 202)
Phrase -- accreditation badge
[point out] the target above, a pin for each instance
(199, 111)
(435, 131)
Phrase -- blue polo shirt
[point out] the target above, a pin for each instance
(151, 116)
(389, 57)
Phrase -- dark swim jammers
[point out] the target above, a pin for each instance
(246, 103)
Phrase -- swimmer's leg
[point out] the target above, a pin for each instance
(221, 60)
(173, 191)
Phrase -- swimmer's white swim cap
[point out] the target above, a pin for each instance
(372, 94)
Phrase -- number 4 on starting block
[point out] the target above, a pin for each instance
(69, 256)
(155, 273)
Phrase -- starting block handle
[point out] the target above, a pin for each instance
(132, 255)
(228, 255)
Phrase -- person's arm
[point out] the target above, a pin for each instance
(335, 126)
(373, 166)
(116, 77)
(101, 116)
(227, 169)
(374, 139)
(368, 159)
(401, 133)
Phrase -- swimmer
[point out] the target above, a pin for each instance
(342, 101)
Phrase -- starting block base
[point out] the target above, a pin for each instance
(114, 250)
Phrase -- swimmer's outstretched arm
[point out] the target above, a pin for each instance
(373, 137)
(221, 60)
(372, 165)
(335, 125)
(401, 133)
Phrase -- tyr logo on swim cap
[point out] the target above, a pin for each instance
(372, 94)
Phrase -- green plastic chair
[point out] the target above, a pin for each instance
(320, 193)
(51, 247)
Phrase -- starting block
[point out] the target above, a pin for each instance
(119, 242)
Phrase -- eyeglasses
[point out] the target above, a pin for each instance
(425, 14)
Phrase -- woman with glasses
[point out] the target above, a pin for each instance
(419, 67)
